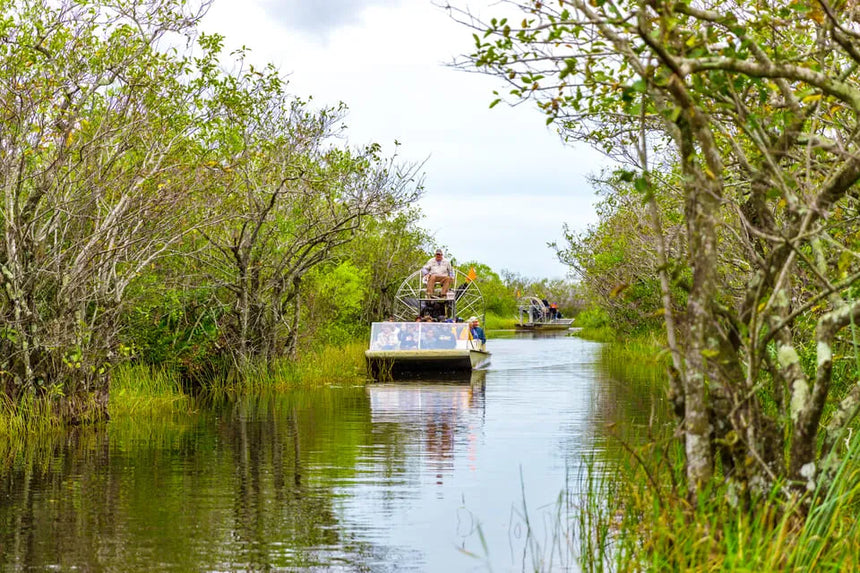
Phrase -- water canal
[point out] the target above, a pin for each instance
(386, 477)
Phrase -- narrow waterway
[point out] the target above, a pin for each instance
(466, 475)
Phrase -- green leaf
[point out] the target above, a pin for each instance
(626, 175)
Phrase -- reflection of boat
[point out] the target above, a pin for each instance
(536, 315)
(403, 400)
(441, 416)
(407, 348)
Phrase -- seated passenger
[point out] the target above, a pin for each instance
(438, 270)
(428, 339)
(447, 338)
(477, 332)
(409, 337)
(388, 337)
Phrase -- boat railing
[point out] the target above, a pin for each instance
(533, 310)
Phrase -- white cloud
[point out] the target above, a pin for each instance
(499, 183)
(319, 16)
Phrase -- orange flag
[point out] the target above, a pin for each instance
(472, 274)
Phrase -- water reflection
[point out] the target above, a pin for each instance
(630, 403)
(434, 413)
(419, 475)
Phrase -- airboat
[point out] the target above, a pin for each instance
(439, 344)
(536, 315)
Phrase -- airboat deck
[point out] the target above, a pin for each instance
(407, 347)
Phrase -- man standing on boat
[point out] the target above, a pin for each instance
(438, 270)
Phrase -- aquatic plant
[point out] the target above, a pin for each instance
(331, 364)
(141, 389)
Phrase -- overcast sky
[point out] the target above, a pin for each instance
(499, 184)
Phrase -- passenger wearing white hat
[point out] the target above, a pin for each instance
(476, 332)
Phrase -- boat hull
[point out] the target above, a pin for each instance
(563, 324)
(384, 364)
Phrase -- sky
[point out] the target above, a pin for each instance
(499, 184)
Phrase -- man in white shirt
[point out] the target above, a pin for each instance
(438, 270)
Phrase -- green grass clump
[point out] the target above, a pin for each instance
(22, 420)
(635, 514)
(496, 322)
(642, 522)
(143, 398)
(593, 324)
(596, 334)
(648, 350)
(329, 365)
(140, 389)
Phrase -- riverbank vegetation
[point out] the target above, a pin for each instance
(146, 398)
(175, 208)
(628, 509)
(728, 226)
(160, 207)
(637, 518)
(635, 513)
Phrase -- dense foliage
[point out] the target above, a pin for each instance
(617, 262)
(157, 205)
(161, 208)
(735, 125)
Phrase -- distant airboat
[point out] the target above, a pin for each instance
(536, 315)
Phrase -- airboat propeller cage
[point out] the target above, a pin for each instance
(532, 308)
(465, 298)
(535, 315)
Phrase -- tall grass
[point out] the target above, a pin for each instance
(629, 523)
(497, 322)
(141, 394)
(33, 430)
(593, 324)
(21, 421)
(595, 333)
(141, 390)
(637, 516)
(329, 365)
(831, 528)
(648, 350)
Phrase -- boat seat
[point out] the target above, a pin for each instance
(437, 288)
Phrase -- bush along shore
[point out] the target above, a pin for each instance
(139, 390)
(637, 515)
(177, 207)
(721, 226)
